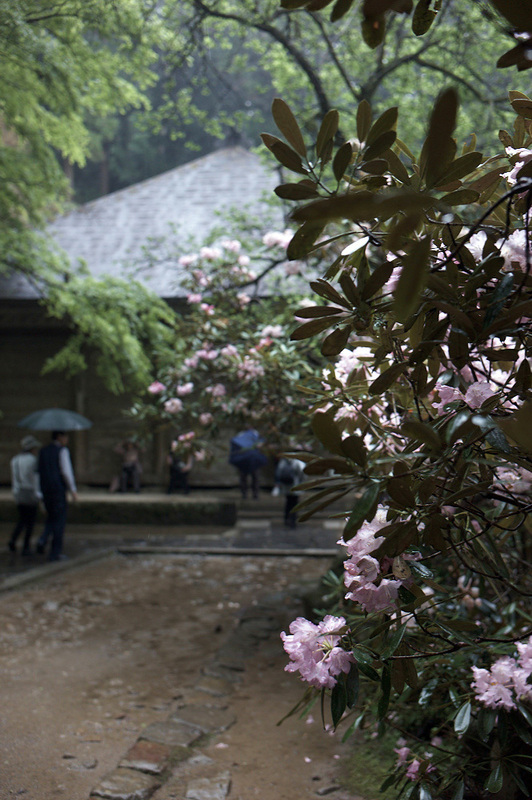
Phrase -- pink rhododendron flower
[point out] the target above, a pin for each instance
(156, 387)
(243, 299)
(244, 260)
(218, 390)
(206, 418)
(232, 245)
(493, 688)
(278, 238)
(448, 394)
(272, 330)
(210, 253)
(513, 250)
(229, 351)
(402, 755)
(523, 156)
(186, 437)
(507, 680)
(183, 389)
(201, 278)
(207, 353)
(187, 261)
(477, 393)
(525, 654)
(315, 652)
(207, 308)
(173, 406)
(192, 362)
(194, 298)
(413, 770)
(200, 455)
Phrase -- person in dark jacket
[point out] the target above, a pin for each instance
(56, 478)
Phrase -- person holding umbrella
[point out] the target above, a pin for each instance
(24, 483)
(56, 477)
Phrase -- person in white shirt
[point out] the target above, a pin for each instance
(56, 478)
(25, 487)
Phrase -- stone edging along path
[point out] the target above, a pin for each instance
(171, 750)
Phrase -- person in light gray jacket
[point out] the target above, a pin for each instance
(25, 483)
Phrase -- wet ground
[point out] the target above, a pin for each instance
(96, 650)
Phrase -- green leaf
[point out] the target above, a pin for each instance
(387, 378)
(327, 431)
(335, 342)
(364, 660)
(327, 291)
(386, 688)
(287, 124)
(284, 154)
(458, 169)
(327, 131)
(441, 127)
(311, 328)
(364, 508)
(462, 197)
(496, 779)
(485, 721)
(296, 191)
(338, 702)
(423, 17)
(311, 312)
(376, 280)
(354, 448)
(364, 115)
(394, 641)
(342, 160)
(422, 432)
(413, 279)
(352, 685)
(459, 791)
(340, 9)
(385, 123)
(380, 145)
(303, 240)
(462, 719)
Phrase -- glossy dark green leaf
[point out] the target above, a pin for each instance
(287, 124)
(462, 719)
(385, 123)
(338, 702)
(318, 311)
(354, 448)
(462, 197)
(386, 688)
(364, 116)
(413, 278)
(340, 9)
(387, 378)
(352, 686)
(380, 145)
(423, 17)
(376, 280)
(324, 289)
(283, 153)
(335, 342)
(365, 508)
(364, 662)
(327, 131)
(342, 160)
(303, 240)
(458, 169)
(394, 641)
(441, 126)
(327, 431)
(311, 328)
(373, 31)
(496, 779)
(296, 191)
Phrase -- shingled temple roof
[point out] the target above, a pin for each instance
(110, 233)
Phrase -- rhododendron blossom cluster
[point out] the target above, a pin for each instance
(507, 681)
(315, 652)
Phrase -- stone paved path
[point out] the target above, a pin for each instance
(167, 761)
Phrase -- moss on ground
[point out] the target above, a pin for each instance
(368, 766)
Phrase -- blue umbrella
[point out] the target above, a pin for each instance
(55, 419)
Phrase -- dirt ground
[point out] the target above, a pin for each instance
(91, 656)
